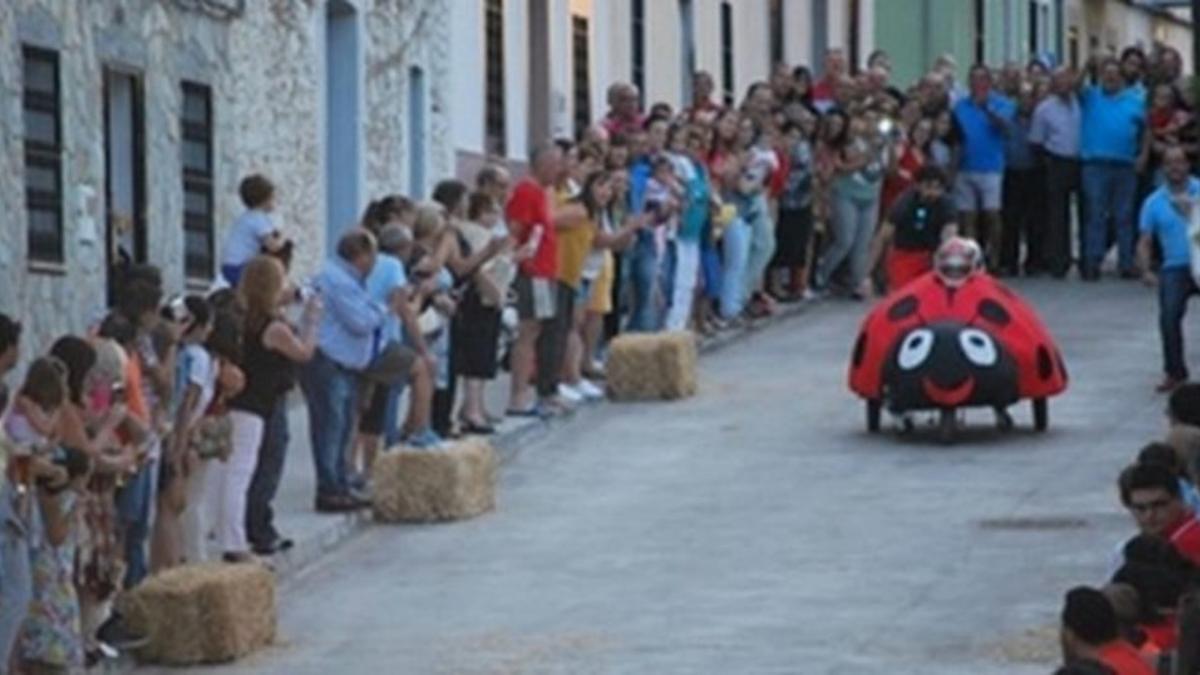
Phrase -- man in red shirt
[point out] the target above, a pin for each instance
(824, 92)
(530, 219)
(703, 109)
(624, 113)
(1151, 493)
(1089, 633)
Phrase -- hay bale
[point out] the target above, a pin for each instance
(1037, 645)
(206, 613)
(423, 486)
(648, 366)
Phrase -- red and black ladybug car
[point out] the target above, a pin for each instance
(950, 339)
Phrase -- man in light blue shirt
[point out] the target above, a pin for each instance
(1055, 132)
(1113, 147)
(348, 339)
(401, 334)
(984, 119)
(1166, 219)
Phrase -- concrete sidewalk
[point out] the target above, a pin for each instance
(316, 534)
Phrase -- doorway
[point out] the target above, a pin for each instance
(124, 176)
(343, 155)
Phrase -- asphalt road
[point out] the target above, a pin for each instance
(757, 528)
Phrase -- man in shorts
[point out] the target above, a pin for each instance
(529, 218)
(983, 118)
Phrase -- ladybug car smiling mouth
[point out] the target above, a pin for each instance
(948, 365)
(952, 396)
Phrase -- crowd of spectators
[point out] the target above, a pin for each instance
(1135, 623)
(158, 436)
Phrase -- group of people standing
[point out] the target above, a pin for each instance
(158, 436)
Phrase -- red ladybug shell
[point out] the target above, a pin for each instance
(981, 302)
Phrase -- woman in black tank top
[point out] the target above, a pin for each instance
(270, 350)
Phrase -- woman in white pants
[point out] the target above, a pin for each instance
(270, 349)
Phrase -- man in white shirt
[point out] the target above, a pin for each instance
(1055, 132)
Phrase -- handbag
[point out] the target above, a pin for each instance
(212, 437)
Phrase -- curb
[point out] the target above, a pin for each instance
(341, 528)
(507, 443)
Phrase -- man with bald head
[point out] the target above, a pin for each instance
(531, 221)
(347, 343)
(1054, 131)
(624, 109)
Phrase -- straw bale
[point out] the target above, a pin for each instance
(205, 613)
(646, 366)
(1037, 645)
(424, 486)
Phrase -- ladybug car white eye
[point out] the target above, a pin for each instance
(915, 349)
(978, 347)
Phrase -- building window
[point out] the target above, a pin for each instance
(638, 30)
(581, 78)
(775, 26)
(198, 211)
(854, 35)
(43, 155)
(495, 131)
(1073, 46)
(1035, 28)
(687, 32)
(727, 52)
(1044, 32)
(980, 32)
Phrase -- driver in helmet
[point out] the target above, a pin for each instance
(956, 260)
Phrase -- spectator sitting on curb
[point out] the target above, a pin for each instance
(1089, 632)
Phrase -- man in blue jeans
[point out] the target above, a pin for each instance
(643, 264)
(347, 341)
(1113, 148)
(1166, 218)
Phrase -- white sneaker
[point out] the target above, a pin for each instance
(570, 394)
(589, 390)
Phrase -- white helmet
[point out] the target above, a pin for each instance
(956, 260)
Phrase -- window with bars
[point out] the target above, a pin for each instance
(727, 52)
(495, 127)
(43, 155)
(638, 31)
(198, 208)
(980, 36)
(775, 26)
(581, 77)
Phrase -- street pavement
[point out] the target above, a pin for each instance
(757, 528)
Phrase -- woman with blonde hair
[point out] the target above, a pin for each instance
(270, 349)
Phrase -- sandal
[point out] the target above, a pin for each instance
(470, 428)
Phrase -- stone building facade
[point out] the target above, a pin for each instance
(123, 120)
